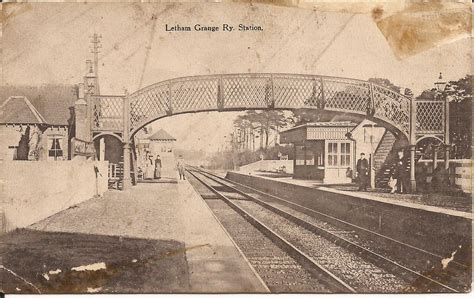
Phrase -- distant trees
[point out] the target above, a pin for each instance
(460, 113)
(459, 94)
(259, 124)
(385, 83)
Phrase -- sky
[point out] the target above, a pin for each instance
(46, 43)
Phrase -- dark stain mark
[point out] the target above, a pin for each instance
(422, 26)
(377, 13)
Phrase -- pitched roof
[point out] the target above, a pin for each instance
(19, 110)
(161, 135)
(52, 102)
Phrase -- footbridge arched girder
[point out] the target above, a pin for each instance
(263, 91)
(233, 92)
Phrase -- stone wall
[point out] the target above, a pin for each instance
(33, 190)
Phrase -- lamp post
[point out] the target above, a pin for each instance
(440, 84)
(87, 103)
(440, 88)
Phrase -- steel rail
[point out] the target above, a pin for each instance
(387, 238)
(331, 280)
(387, 263)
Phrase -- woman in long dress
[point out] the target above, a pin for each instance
(149, 168)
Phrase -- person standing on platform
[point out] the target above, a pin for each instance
(149, 168)
(362, 171)
(400, 172)
(181, 168)
(157, 167)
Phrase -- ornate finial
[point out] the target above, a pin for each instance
(440, 76)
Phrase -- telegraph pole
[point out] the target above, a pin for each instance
(96, 45)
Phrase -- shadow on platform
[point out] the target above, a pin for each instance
(56, 262)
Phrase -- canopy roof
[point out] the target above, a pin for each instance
(331, 130)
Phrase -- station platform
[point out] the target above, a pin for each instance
(153, 238)
(453, 206)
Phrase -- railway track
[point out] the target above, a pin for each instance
(325, 250)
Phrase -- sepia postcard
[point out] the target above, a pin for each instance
(293, 146)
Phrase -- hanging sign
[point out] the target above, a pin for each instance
(82, 148)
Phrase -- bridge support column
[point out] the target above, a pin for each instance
(435, 158)
(447, 148)
(412, 169)
(412, 139)
(127, 181)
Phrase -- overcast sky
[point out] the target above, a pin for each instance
(49, 43)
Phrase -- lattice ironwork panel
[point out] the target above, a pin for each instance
(392, 106)
(346, 94)
(195, 94)
(296, 91)
(240, 91)
(149, 102)
(430, 116)
(107, 113)
(251, 91)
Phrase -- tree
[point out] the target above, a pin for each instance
(460, 116)
(385, 83)
(264, 121)
(459, 94)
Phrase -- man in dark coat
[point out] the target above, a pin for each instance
(362, 171)
(400, 173)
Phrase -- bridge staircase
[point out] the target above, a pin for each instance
(384, 157)
(116, 175)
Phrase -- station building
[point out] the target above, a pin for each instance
(38, 130)
(328, 151)
(161, 142)
(153, 144)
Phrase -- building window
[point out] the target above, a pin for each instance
(332, 154)
(13, 152)
(309, 157)
(345, 154)
(55, 150)
(339, 154)
(320, 158)
(299, 158)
